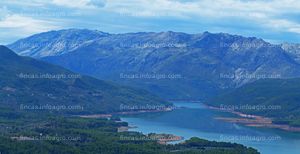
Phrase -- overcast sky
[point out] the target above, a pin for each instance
(273, 20)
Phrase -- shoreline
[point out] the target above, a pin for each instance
(244, 119)
(161, 138)
(253, 120)
(109, 115)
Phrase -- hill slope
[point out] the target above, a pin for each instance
(29, 84)
(276, 98)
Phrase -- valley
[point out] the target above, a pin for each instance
(220, 70)
(149, 77)
(37, 114)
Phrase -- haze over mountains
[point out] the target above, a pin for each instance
(190, 66)
(29, 84)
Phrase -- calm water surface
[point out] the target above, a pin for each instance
(196, 120)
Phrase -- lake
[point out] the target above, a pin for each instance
(195, 120)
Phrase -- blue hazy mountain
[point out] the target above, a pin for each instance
(203, 64)
(28, 82)
(56, 42)
(293, 50)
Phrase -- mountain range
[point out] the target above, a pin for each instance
(28, 87)
(169, 64)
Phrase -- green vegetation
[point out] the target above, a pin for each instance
(48, 133)
(26, 127)
(276, 98)
(28, 82)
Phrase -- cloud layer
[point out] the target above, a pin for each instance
(275, 20)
